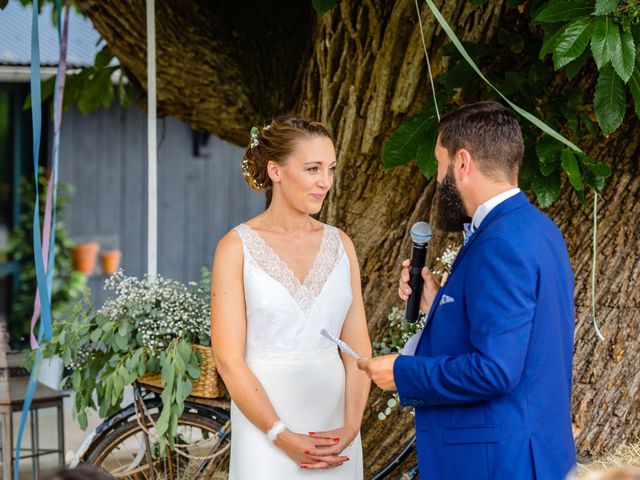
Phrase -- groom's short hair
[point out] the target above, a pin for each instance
(491, 134)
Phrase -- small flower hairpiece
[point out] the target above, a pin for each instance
(244, 165)
(254, 137)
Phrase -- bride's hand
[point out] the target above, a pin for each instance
(309, 452)
(345, 436)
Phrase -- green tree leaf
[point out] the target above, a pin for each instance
(95, 335)
(184, 349)
(162, 425)
(572, 69)
(425, 156)
(570, 165)
(76, 379)
(173, 428)
(550, 39)
(609, 100)
(103, 57)
(194, 372)
(597, 167)
(323, 6)
(605, 6)
(401, 147)
(563, 10)
(634, 87)
(187, 388)
(624, 56)
(572, 41)
(547, 189)
(548, 149)
(122, 342)
(548, 168)
(595, 182)
(81, 416)
(604, 40)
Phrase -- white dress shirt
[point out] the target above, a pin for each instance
(483, 210)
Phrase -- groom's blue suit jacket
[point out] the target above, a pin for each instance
(491, 376)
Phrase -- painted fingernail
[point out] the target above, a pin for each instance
(312, 433)
(337, 439)
(302, 466)
(306, 452)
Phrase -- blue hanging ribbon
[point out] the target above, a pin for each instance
(44, 281)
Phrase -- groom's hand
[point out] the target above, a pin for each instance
(429, 290)
(380, 370)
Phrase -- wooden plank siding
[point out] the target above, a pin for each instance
(104, 155)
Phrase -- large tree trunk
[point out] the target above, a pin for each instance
(606, 394)
(367, 74)
(361, 70)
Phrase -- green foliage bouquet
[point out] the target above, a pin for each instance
(149, 326)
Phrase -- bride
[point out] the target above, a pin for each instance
(278, 279)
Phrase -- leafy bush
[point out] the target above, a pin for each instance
(150, 326)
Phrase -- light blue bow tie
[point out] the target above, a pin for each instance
(466, 233)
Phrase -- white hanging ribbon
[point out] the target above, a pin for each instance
(152, 173)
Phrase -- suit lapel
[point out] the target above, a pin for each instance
(517, 201)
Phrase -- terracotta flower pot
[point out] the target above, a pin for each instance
(84, 257)
(110, 261)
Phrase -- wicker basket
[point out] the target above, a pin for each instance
(208, 385)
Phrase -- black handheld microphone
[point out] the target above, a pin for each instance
(420, 234)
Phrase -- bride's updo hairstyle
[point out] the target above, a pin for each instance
(276, 142)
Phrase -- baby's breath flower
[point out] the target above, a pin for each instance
(160, 309)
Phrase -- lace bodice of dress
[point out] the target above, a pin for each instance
(284, 316)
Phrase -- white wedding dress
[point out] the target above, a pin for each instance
(300, 370)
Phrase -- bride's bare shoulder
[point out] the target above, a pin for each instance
(347, 242)
(229, 247)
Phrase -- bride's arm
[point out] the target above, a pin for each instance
(355, 334)
(228, 333)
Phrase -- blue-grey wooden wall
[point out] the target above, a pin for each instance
(104, 155)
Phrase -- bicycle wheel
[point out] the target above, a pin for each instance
(202, 451)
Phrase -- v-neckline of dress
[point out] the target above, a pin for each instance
(285, 266)
(303, 293)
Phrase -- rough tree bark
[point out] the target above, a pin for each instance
(361, 70)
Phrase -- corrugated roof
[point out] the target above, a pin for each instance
(15, 37)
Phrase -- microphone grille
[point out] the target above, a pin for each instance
(421, 232)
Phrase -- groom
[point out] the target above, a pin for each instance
(490, 377)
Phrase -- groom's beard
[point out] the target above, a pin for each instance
(450, 212)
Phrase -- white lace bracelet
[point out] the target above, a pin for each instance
(277, 428)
